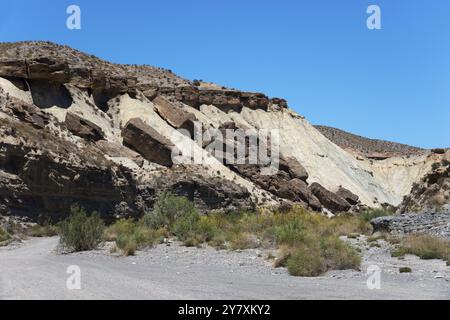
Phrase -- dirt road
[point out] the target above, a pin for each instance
(34, 271)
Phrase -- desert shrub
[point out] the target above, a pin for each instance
(127, 244)
(306, 263)
(167, 209)
(242, 240)
(146, 237)
(218, 241)
(404, 270)
(285, 252)
(130, 236)
(290, 233)
(424, 246)
(120, 227)
(309, 243)
(193, 240)
(211, 226)
(39, 231)
(339, 255)
(80, 231)
(347, 223)
(314, 257)
(4, 235)
(186, 225)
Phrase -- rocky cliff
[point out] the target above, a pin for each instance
(77, 129)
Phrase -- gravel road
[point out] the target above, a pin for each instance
(34, 270)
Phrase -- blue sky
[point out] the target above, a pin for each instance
(390, 84)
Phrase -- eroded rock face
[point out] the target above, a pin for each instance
(328, 199)
(44, 170)
(432, 192)
(45, 175)
(148, 142)
(23, 111)
(75, 128)
(83, 128)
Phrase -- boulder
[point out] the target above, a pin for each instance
(145, 140)
(174, 115)
(329, 200)
(83, 128)
(349, 196)
(297, 190)
(293, 167)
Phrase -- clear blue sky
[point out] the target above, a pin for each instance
(390, 84)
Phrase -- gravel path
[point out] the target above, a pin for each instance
(34, 271)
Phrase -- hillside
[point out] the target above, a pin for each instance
(76, 129)
(370, 148)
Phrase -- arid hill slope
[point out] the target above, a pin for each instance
(369, 148)
(76, 129)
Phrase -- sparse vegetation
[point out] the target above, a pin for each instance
(404, 270)
(4, 235)
(129, 236)
(423, 246)
(309, 243)
(81, 232)
(167, 209)
(38, 231)
(374, 213)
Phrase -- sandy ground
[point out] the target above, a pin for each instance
(33, 270)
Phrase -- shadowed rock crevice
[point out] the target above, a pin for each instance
(49, 94)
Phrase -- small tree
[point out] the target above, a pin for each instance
(167, 209)
(81, 232)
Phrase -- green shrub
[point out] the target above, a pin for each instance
(242, 241)
(347, 224)
(120, 227)
(193, 240)
(310, 243)
(289, 233)
(218, 241)
(210, 226)
(314, 258)
(81, 232)
(283, 256)
(404, 270)
(339, 255)
(167, 209)
(4, 235)
(130, 236)
(306, 263)
(127, 244)
(186, 225)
